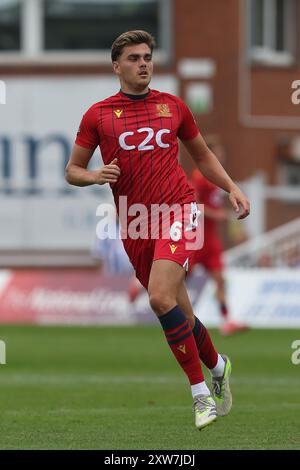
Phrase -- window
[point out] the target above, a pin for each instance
(289, 160)
(10, 25)
(271, 31)
(65, 29)
(290, 174)
(77, 25)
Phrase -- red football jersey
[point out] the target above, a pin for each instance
(210, 195)
(142, 134)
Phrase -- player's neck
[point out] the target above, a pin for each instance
(135, 96)
(129, 91)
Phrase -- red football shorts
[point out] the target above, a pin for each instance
(210, 255)
(179, 241)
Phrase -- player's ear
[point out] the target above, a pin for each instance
(116, 67)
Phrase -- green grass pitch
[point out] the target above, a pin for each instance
(120, 388)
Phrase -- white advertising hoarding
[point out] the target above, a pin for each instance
(261, 298)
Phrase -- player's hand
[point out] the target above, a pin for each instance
(108, 173)
(239, 201)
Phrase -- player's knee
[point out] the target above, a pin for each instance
(160, 303)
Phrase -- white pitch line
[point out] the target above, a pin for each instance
(45, 379)
(100, 410)
(140, 409)
(85, 379)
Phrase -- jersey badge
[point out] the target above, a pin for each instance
(163, 110)
(118, 112)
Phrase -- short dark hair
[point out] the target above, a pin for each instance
(129, 38)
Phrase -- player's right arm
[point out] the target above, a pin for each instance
(77, 173)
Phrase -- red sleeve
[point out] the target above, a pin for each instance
(188, 128)
(87, 135)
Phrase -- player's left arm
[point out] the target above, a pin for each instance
(212, 169)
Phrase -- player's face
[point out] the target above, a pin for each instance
(134, 68)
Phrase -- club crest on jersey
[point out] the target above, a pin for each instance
(173, 248)
(163, 110)
(118, 112)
